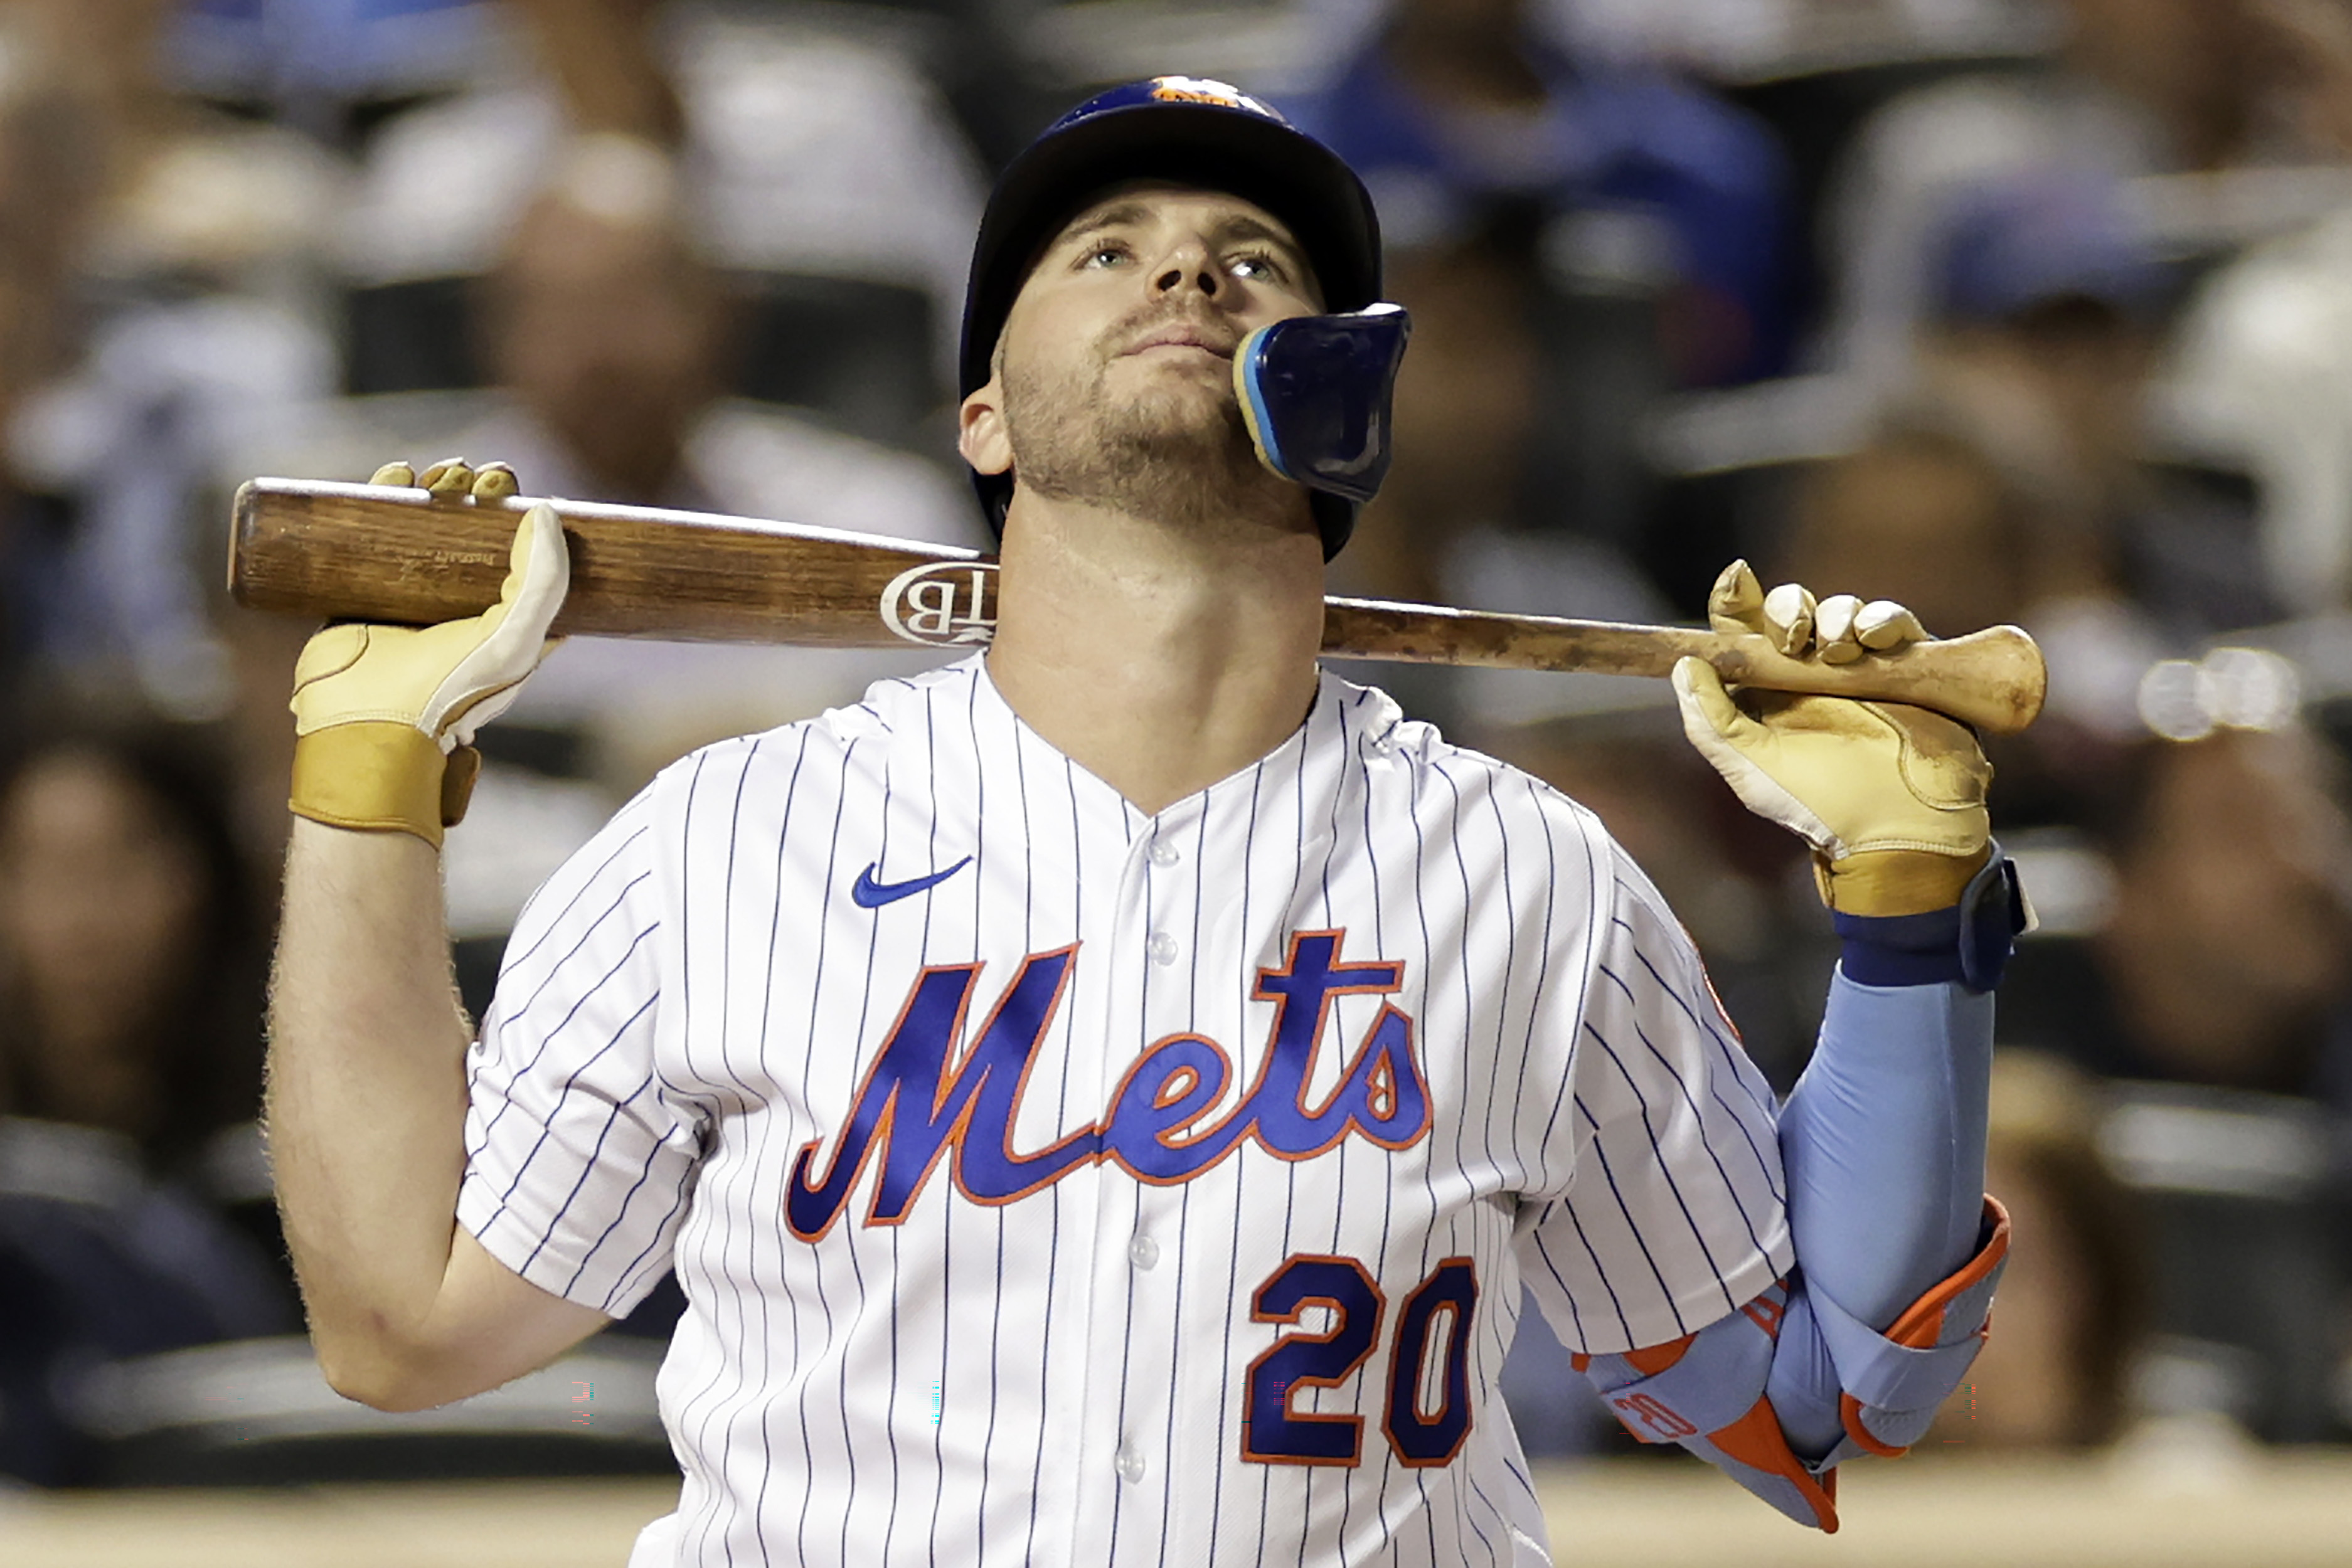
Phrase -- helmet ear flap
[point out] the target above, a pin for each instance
(1315, 392)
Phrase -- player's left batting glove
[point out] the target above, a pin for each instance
(384, 716)
(1890, 797)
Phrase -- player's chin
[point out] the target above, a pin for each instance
(1182, 416)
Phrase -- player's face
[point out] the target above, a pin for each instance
(1158, 282)
(1119, 351)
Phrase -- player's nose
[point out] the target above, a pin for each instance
(1187, 265)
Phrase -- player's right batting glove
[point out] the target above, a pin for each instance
(1890, 797)
(384, 716)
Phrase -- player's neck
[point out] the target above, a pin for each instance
(1155, 659)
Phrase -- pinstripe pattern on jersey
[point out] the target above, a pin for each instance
(697, 998)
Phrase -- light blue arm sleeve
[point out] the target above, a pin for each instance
(1883, 1143)
(1898, 1249)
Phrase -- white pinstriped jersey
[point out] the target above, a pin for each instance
(1054, 1183)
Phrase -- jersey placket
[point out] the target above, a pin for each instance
(1133, 956)
(1165, 981)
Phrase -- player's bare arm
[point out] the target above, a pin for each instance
(367, 1091)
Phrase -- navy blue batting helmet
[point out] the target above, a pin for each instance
(1189, 131)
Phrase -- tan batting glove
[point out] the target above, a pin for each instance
(1891, 797)
(384, 715)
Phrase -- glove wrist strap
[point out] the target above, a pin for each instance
(1896, 881)
(381, 776)
(1969, 942)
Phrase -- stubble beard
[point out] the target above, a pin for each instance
(1172, 454)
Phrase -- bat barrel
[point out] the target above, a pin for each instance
(375, 552)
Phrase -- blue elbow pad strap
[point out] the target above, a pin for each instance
(1893, 1383)
(1706, 1392)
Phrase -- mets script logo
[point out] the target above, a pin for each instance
(942, 602)
(927, 1097)
(1201, 89)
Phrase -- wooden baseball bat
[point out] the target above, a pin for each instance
(380, 553)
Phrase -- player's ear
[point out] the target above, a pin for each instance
(980, 433)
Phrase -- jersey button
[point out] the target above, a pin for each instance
(1164, 855)
(1143, 1251)
(1161, 946)
(1130, 1463)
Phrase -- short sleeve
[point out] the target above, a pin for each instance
(1672, 1211)
(579, 1157)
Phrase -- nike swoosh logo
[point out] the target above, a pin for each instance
(872, 894)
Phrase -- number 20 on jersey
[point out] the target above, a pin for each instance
(1426, 1407)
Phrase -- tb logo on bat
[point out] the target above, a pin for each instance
(942, 603)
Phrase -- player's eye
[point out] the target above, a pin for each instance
(1103, 254)
(1257, 265)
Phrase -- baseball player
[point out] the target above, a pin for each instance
(1102, 1099)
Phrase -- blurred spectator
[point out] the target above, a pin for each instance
(2056, 1372)
(2213, 991)
(1575, 236)
(681, 203)
(44, 189)
(2140, 87)
(606, 332)
(2041, 311)
(135, 1208)
(815, 153)
(1653, 187)
(609, 337)
(2014, 482)
(2043, 336)
(1493, 431)
(312, 66)
(132, 954)
(1922, 515)
(603, 55)
(1463, 412)
(1926, 515)
(174, 300)
(2263, 368)
(2227, 958)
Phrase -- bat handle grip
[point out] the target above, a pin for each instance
(1993, 680)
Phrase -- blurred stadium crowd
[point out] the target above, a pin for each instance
(2015, 310)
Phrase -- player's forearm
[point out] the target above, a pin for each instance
(367, 1093)
(367, 1097)
(1883, 1137)
(1884, 1142)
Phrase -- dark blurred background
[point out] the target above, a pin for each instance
(2035, 311)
